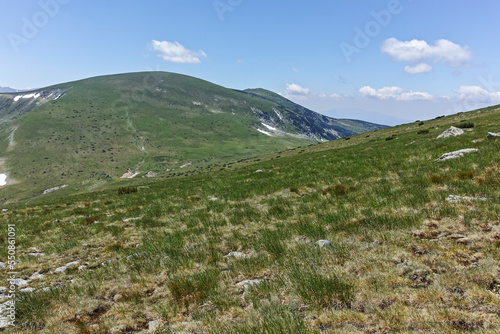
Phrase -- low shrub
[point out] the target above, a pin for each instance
(465, 125)
(127, 190)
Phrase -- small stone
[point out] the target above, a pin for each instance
(153, 325)
(126, 220)
(238, 255)
(36, 276)
(492, 135)
(35, 254)
(66, 266)
(2, 265)
(27, 290)
(19, 282)
(323, 243)
(248, 283)
(259, 171)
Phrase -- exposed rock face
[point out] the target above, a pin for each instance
(456, 154)
(451, 132)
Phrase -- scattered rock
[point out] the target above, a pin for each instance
(492, 135)
(453, 131)
(213, 199)
(36, 276)
(2, 265)
(475, 141)
(323, 243)
(248, 283)
(151, 174)
(455, 199)
(456, 154)
(27, 290)
(66, 266)
(259, 171)
(238, 255)
(5, 210)
(126, 220)
(19, 282)
(54, 189)
(153, 325)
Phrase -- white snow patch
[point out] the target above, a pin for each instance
(277, 113)
(268, 126)
(3, 179)
(265, 132)
(27, 96)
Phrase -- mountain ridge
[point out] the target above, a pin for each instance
(149, 123)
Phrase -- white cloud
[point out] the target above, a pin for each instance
(477, 94)
(176, 53)
(294, 89)
(295, 69)
(419, 51)
(419, 68)
(393, 93)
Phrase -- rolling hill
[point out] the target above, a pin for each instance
(86, 133)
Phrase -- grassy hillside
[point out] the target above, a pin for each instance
(86, 133)
(403, 256)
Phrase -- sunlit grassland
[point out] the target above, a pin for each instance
(403, 257)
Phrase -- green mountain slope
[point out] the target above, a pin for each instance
(240, 251)
(91, 131)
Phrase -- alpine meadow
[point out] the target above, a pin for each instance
(249, 167)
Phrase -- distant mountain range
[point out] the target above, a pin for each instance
(8, 90)
(147, 124)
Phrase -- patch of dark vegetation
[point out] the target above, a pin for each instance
(391, 137)
(465, 125)
(127, 190)
(337, 190)
(423, 132)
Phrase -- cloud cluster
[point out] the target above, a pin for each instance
(393, 93)
(176, 53)
(294, 89)
(421, 53)
(477, 94)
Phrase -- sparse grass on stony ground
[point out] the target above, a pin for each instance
(403, 258)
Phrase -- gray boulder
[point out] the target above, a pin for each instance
(451, 132)
(456, 154)
(493, 135)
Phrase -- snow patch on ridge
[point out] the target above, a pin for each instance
(265, 132)
(268, 126)
(27, 96)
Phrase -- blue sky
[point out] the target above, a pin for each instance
(377, 60)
